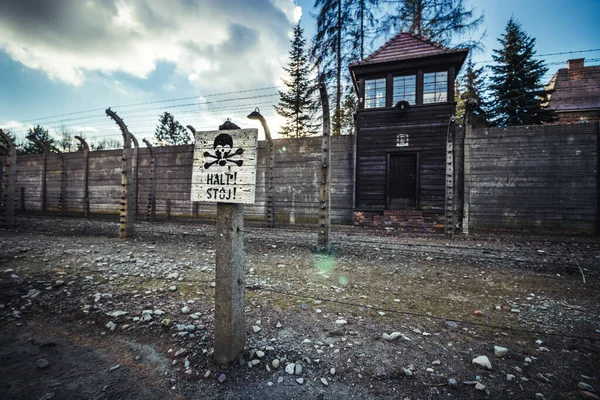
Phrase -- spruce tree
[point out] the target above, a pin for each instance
(472, 87)
(327, 50)
(169, 131)
(41, 141)
(438, 20)
(516, 81)
(295, 103)
(3, 144)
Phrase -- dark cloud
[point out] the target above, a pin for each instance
(203, 38)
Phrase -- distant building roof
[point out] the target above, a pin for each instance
(406, 46)
(575, 88)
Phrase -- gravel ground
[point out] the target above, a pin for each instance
(86, 315)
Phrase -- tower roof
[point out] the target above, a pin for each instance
(406, 46)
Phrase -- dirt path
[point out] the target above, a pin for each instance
(74, 294)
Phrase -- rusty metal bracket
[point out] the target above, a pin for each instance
(126, 211)
(9, 176)
(325, 191)
(152, 188)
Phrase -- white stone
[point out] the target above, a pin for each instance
(324, 381)
(341, 322)
(500, 351)
(482, 361)
(300, 381)
(290, 369)
(275, 363)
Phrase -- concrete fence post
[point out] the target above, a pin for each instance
(152, 186)
(136, 165)
(86, 176)
(127, 208)
(9, 175)
(270, 165)
(325, 189)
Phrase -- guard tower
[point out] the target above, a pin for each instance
(406, 100)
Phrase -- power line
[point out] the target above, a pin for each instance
(547, 55)
(151, 102)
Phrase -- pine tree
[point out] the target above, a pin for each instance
(3, 144)
(516, 82)
(41, 141)
(170, 132)
(328, 48)
(361, 24)
(296, 102)
(349, 107)
(471, 89)
(438, 20)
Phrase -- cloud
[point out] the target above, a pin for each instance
(215, 44)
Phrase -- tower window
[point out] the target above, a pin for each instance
(405, 88)
(375, 93)
(435, 87)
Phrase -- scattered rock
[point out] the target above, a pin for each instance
(180, 352)
(185, 310)
(482, 361)
(260, 354)
(290, 369)
(300, 381)
(116, 314)
(500, 351)
(256, 328)
(207, 373)
(324, 381)
(452, 383)
(280, 379)
(407, 372)
(478, 313)
(436, 362)
(589, 395)
(275, 363)
(298, 369)
(510, 377)
(341, 322)
(47, 396)
(222, 378)
(585, 386)
(111, 326)
(332, 371)
(42, 363)
(166, 322)
(451, 325)
(114, 368)
(173, 288)
(479, 386)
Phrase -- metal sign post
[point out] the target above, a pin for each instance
(224, 172)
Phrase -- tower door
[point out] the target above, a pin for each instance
(402, 181)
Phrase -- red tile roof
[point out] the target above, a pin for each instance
(406, 46)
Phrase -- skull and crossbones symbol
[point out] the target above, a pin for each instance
(223, 145)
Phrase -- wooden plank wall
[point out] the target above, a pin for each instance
(426, 127)
(536, 178)
(297, 167)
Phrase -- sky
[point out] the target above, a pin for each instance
(63, 62)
